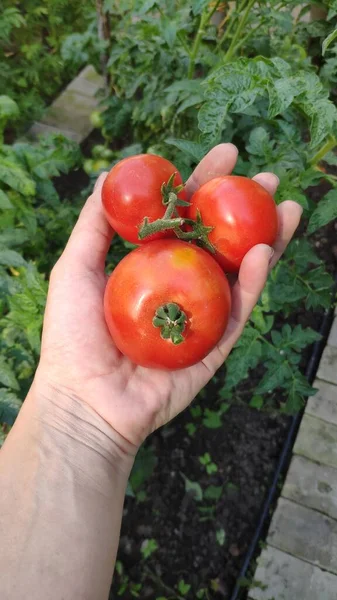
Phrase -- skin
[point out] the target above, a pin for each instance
(235, 206)
(132, 190)
(65, 464)
(150, 277)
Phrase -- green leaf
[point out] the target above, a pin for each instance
(10, 405)
(331, 159)
(8, 108)
(328, 40)
(198, 6)
(275, 376)
(169, 31)
(245, 356)
(193, 149)
(7, 375)
(190, 428)
(148, 547)
(220, 536)
(183, 588)
(256, 402)
(143, 468)
(260, 320)
(193, 487)
(211, 419)
(13, 237)
(325, 212)
(16, 178)
(11, 258)
(5, 202)
(213, 492)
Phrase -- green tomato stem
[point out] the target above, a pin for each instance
(204, 20)
(232, 47)
(329, 145)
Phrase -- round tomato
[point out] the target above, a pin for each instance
(132, 191)
(167, 304)
(242, 214)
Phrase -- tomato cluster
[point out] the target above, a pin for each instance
(167, 303)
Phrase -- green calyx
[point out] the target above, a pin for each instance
(170, 193)
(199, 233)
(172, 321)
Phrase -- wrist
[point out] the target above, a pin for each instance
(70, 428)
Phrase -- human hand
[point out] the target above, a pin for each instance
(79, 358)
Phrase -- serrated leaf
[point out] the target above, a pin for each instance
(7, 375)
(148, 547)
(16, 178)
(211, 419)
(261, 321)
(325, 212)
(275, 376)
(328, 40)
(246, 355)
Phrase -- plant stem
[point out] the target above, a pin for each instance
(247, 36)
(103, 27)
(236, 37)
(204, 19)
(228, 29)
(329, 145)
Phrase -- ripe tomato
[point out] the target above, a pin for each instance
(167, 304)
(242, 214)
(132, 191)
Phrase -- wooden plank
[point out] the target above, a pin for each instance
(285, 577)
(70, 113)
(324, 403)
(313, 485)
(38, 129)
(304, 533)
(317, 440)
(328, 366)
(88, 82)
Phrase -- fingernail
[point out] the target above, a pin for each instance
(272, 252)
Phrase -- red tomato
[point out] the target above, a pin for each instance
(132, 191)
(180, 286)
(242, 214)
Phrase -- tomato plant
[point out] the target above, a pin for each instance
(242, 214)
(138, 187)
(167, 304)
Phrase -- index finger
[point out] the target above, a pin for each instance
(219, 161)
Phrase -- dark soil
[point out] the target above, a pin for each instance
(245, 449)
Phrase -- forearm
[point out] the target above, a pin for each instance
(62, 479)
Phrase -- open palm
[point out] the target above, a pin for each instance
(78, 355)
